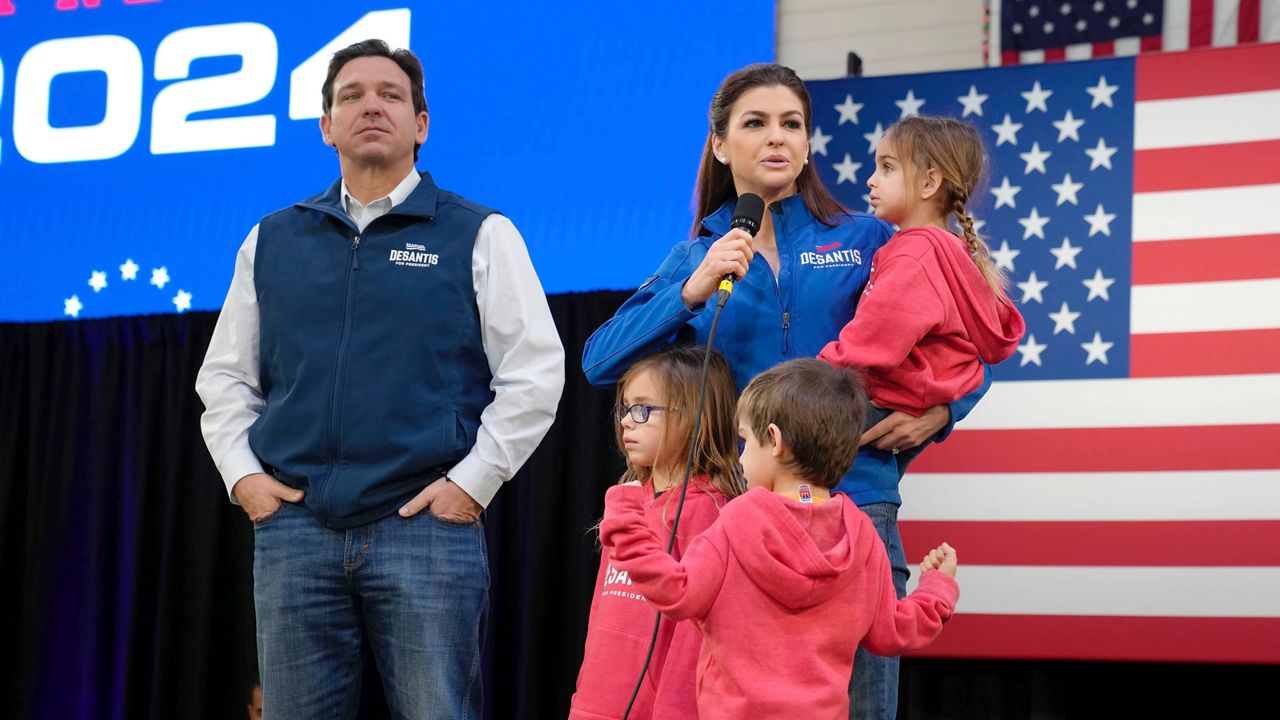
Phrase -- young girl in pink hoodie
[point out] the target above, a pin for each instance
(934, 308)
(791, 578)
(657, 399)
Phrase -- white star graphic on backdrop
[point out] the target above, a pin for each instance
(1005, 193)
(978, 225)
(1102, 92)
(160, 277)
(848, 170)
(1064, 319)
(873, 138)
(1101, 155)
(848, 110)
(1148, 18)
(1033, 224)
(1097, 349)
(1081, 24)
(72, 306)
(1131, 4)
(1048, 27)
(1068, 127)
(818, 142)
(97, 280)
(1100, 221)
(1114, 22)
(1033, 288)
(866, 198)
(1067, 190)
(1034, 11)
(129, 270)
(1007, 131)
(1099, 6)
(1098, 286)
(1035, 159)
(1004, 256)
(972, 102)
(182, 300)
(1065, 9)
(1030, 351)
(1035, 98)
(1066, 254)
(909, 105)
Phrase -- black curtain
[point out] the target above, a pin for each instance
(129, 573)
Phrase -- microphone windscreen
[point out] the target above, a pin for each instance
(748, 213)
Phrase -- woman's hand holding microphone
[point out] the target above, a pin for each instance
(731, 254)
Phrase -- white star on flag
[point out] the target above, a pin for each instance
(972, 102)
(1005, 255)
(848, 110)
(182, 301)
(1035, 98)
(873, 138)
(1033, 224)
(1034, 159)
(818, 142)
(160, 277)
(1097, 349)
(1067, 190)
(1005, 193)
(1100, 155)
(848, 170)
(910, 105)
(1007, 131)
(1098, 286)
(1066, 254)
(1101, 93)
(1033, 289)
(97, 280)
(1064, 319)
(1068, 127)
(1030, 351)
(1100, 221)
(72, 306)
(129, 270)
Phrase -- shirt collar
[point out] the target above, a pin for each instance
(392, 199)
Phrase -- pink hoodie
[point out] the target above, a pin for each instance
(923, 321)
(783, 593)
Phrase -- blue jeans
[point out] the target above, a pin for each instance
(873, 690)
(417, 589)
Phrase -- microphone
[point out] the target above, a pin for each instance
(747, 215)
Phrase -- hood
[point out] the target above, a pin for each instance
(799, 554)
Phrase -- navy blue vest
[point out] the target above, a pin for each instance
(372, 363)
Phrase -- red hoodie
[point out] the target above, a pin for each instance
(923, 321)
(783, 592)
(621, 622)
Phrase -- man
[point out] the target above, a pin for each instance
(384, 361)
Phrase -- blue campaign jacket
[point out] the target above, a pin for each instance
(822, 271)
(372, 362)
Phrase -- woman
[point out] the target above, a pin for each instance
(799, 280)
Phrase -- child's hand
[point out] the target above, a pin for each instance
(941, 558)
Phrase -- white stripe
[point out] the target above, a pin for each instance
(1092, 496)
(1226, 23)
(1177, 25)
(1269, 23)
(1210, 213)
(1128, 46)
(993, 35)
(1132, 591)
(1208, 120)
(1205, 307)
(1140, 402)
(1031, 57)
(1080, 51)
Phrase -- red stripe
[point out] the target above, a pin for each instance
(1214, 447)
(1216, 543)
(1207, 72)
(1107, 48)
(1150, 43)
(1200, 34)
(1207, 166)
(1009, 57)
(1249, 257)
(1249, 21)
(1235, 352)
(1055, 54)
(1070, 637)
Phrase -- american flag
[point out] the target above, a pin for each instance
(1033, 31)
(1116, 495)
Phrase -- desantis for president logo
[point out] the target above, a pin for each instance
(831, 255)
(414, 255)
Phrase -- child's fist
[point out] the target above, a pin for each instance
(941, 558)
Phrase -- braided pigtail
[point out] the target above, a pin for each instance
(979, 251)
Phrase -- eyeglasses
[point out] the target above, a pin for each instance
(639, 413)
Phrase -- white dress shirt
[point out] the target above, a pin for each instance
(519, 337)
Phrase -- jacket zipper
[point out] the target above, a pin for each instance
(784, 260)
(335, 425)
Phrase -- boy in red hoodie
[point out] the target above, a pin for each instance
(790, 579)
